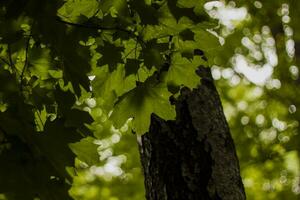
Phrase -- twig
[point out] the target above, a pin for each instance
(3, 131)
(10, 59)
(126, 56)
(98, 27)
(25, 63)
(5, 61)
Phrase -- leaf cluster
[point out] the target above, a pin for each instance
(139, 53)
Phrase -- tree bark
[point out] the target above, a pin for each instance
(193, 157)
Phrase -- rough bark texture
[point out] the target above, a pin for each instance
(192, 158)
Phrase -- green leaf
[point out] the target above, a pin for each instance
(206, 40)
(182, 71)
(55, 73)
(196, 4)
(57, 136)
(107, 50)
(26, 176)
(153, 54)
(147, 98)
(76, 66)
(132, 66)
(109, 86)
(168, 26)
(77, 118)
(198, 38)
(116, 8)
(185, 9)
(72, 9)
(40, 62)
(187, 35)
(148, 14)
(65, 100)
(86, 151)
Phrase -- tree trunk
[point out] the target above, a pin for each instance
(193, 157)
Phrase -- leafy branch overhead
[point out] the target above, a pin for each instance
(136, 50)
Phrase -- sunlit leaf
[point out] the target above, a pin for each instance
(147, 98)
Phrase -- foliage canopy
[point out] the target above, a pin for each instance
(51, 109)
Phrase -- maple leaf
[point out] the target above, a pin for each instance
(147, 98)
